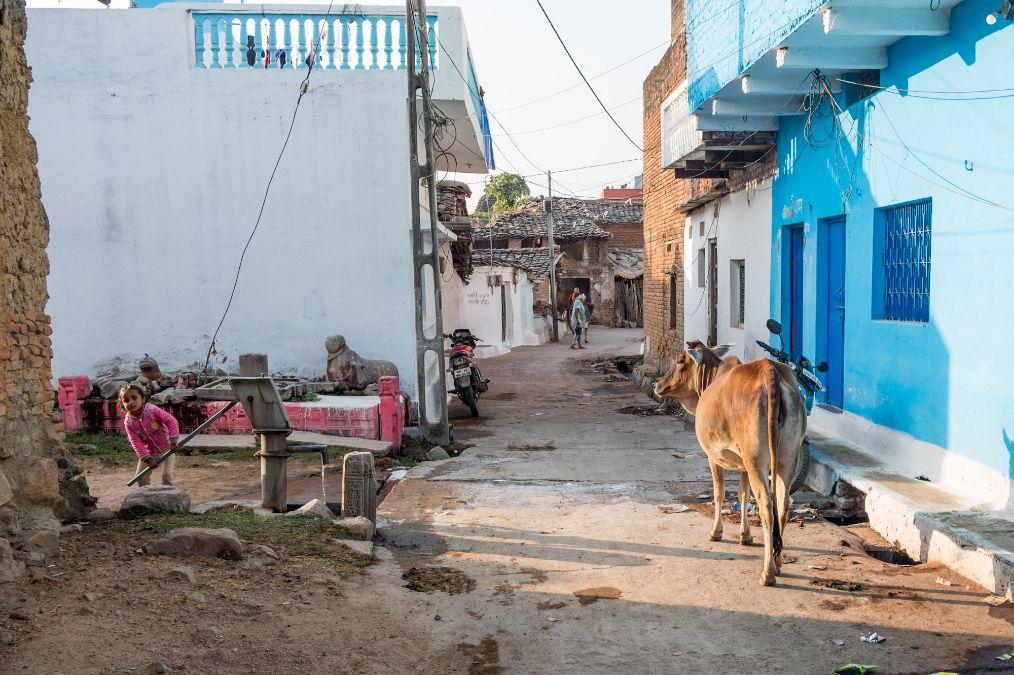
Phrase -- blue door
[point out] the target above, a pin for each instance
(794, 286)
(831, 319)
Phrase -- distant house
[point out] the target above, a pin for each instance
(600, 246)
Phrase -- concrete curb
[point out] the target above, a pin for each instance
(929, 524)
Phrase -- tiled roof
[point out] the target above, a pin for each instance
(573, 219)
(626, 262)
(534, 261)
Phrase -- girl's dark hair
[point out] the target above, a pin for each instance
(123, 392)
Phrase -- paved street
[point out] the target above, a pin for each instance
(559, 497)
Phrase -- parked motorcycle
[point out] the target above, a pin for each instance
(808, 384)
(468, 381)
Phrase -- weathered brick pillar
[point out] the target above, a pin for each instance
(30, 440)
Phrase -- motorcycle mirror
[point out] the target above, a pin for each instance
(774, 327)
(822, 367)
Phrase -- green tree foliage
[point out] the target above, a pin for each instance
(506, 189)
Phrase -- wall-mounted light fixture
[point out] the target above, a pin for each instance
(828, 16)
(780, 56)
(1006, 11)
(744, 82)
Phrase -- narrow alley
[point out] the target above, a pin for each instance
(558, 513)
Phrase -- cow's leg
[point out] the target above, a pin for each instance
(780, 490)
(718, 483)
(744, 503)
(759, 485)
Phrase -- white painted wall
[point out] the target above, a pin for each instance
(742, 229)
(153, 173)
(480, 309)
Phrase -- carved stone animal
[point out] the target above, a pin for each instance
(347, 367)
(749, 418)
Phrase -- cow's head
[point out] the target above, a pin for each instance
(693, 371)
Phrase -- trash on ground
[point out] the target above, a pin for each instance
(995, 600)
(749, 508)
(840, 642)
(673, 508)
(726, 512)
(855, 669)
(944, 582)
(1005, 657)
(678, 652)
(817, 567)
(703, 496)
(837, 584)
(872, 638)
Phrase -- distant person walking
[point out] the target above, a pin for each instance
(578, 320)
(590, 308)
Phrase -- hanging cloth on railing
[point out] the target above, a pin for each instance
(281, 57)
(487, 138)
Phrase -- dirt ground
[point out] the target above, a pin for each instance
(556, 543)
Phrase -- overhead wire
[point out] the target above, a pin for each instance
(587, 83)
(303, 88)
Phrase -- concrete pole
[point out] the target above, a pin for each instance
(552, 258)
(274, 475)
(253, 365)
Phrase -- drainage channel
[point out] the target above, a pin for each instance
(873, 544)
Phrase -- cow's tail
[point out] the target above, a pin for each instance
(776, 411)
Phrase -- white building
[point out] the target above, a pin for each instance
(158, 130)
(727, 265)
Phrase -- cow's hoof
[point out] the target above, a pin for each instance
(745, 539)
(767, 580)
(716, 536)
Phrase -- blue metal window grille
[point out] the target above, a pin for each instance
(907, 253)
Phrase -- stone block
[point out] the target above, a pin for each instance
(47, 543)
(10, 568)
(198, 542)
(155, 499)
(6, 493)
(40, 483)
(437, 453)
(184, 574)
(315, 508)
(357, 527)
(359, 486)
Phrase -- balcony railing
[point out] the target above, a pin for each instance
(680, 134)
(238, 39)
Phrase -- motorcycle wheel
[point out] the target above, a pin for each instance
(802, 468)
(468, 398)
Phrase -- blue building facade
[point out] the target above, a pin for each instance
(892, 227)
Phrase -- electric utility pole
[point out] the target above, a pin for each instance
(426, 265)
(552, 257)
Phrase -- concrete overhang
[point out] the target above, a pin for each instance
(842, 38)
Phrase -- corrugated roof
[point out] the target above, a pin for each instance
(534, 261)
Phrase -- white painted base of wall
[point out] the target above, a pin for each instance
(975, 485)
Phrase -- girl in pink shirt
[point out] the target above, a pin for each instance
(151, 431)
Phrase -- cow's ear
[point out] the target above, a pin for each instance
(696, 355)
(721, 350)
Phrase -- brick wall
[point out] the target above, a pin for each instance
(663, 225)
(626, 235)
(29, 441)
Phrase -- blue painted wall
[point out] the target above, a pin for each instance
(724, 39)
(950, 381)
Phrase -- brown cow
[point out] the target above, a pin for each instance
(749, 418)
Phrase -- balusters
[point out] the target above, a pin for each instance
(215, 55)
(387, 44)
(348, 42)
(360, 44)
(431, 23)
(230, 44)
(287, 43)
(402, 45)
(199, 26)
(374, 48)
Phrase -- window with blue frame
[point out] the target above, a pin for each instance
(902, 257)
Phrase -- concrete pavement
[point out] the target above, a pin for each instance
(554, 514)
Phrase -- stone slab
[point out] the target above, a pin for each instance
(377, 448)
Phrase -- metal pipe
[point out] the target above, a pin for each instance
(274, 480)
(186, 439)
(325, 457)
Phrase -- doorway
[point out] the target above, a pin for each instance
(712, 292)
(793, 244)
(831, 308)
